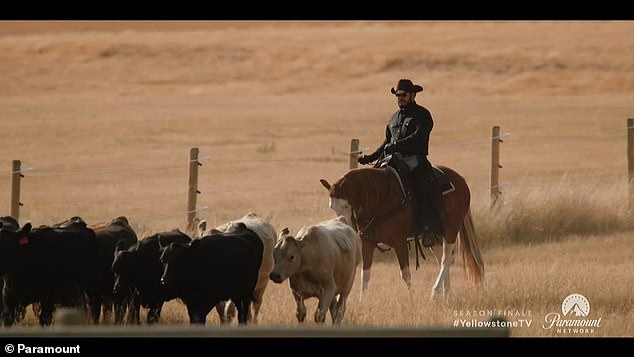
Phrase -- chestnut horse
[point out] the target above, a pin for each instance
(372, 200)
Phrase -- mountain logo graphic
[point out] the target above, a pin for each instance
(575, 305)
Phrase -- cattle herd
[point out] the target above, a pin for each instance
(106, 267)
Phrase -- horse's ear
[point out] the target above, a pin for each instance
(26, 229)
(284, 231)
(325, 184)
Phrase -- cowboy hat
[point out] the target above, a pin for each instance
(406, 86)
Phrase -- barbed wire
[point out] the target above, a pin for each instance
(169, 215)
(260, 160)
(348, 153)
(563, 181)
(43, 173)
(47, 171)
(150, 218)
(305, 188)
(475, 142)
(605, 132)
(132, 198)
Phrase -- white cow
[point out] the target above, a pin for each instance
(267, 234)
(321, 262)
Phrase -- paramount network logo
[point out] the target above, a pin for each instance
(572, 319)
(575, 305)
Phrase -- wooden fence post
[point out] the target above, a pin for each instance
(630, 159)
(495, 165)
(354, 153)
(193, 188)
(16, 176)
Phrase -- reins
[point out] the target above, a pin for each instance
(368, 222)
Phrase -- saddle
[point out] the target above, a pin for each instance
(401, 170)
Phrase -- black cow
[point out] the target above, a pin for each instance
(8, 223)
(49, 265)
(217, 267)
(138, 271)
(100, 293)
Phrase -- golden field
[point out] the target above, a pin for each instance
(102, 116)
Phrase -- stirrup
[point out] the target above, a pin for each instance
(430, 238)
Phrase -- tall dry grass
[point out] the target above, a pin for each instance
(550, 211)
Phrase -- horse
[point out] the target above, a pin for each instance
(373, 201)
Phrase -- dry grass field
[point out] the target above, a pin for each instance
(102, 116)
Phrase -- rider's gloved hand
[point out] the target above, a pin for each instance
(364, 159)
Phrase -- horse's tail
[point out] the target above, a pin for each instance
(468, 246)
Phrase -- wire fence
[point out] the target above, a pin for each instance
(39, 199)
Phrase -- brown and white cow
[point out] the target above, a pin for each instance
(321, 262)
(267, 234)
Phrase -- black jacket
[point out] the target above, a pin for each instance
(409, 129)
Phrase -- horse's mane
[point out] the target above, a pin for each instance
(368, 189)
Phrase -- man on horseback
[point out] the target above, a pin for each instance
(407, 134)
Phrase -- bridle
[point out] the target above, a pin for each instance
(367, 223)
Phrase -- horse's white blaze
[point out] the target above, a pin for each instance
(406, 276)
(341, 208)
(443, 276)
(365, 279)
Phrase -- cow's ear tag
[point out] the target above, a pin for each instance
(24, 240)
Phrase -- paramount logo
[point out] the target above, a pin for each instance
(574, 309)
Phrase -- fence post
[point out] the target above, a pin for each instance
(495, 165)
(16, 176)
(630, 159)
(354, 153)
(193, 188)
